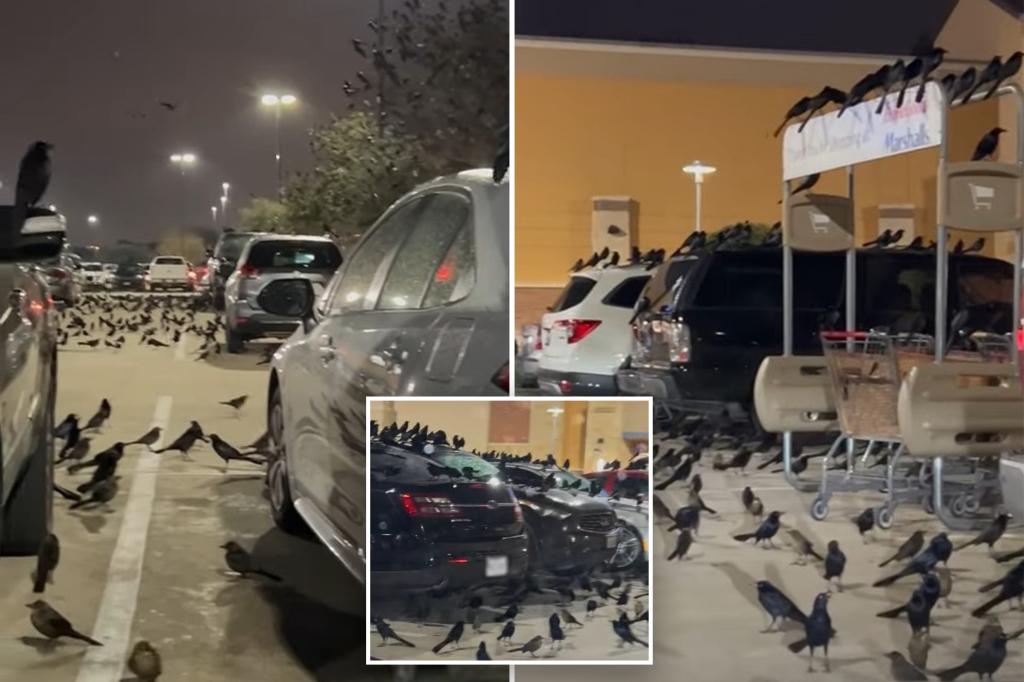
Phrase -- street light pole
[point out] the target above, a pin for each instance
(698, 170)
(183, 161)
(213, 210)
(224, 202)
(277, 101)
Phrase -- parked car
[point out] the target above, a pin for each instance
(585, 335)
(170, 272)
(128, 277)
(631, 544)
(225, 256)
(706, 321)
(406, 315)
(94, 276)
(528, 350)
(29, 387)
(430, 532)
(266, 259)
(61, 280)
(202, 276)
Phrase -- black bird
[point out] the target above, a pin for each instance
(931, 61)
(835, 564)
(949, 84)
(186, 440)
(778, 605)
(895, 74)
(683, 543)
(1008, 69)
(990, 536)
(236, 403)
(1012, 587)
(510, 613)
(765, 532)
(556, 632)
(986, 659)
(918, 608)
(989, 74)
(865, 522)
(65, 427)
(66, 494)
(806, 184)
(577, 266)
(386, 632)
(481, 652)
(686, 518)
(909, 548)
(101, 492)
(625, 633)
(46, 563)
(33, 179)
(80, 450)
(739, 460)
(826, 95)
(914, 69)
(1019, 554)
(169, 106)
(102, 415)
(861, 88)
(531, 646)
(105, 460)
(241, 562)
(977, 245)
(939, 549)
(453, 637)
(988, 144)
(507, 631)
(817, 631)
(681, 473)
(592, 606)
(964, 84)
(148, 438)
(227, 452)
(799, 108)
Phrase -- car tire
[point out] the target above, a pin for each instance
(638, 560)
(282, 508)
(25, 521)
(234, 341)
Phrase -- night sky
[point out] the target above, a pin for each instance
(82, 74)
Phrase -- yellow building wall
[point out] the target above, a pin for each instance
(579, 137)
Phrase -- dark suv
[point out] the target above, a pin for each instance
(707, 320)
(430, 531)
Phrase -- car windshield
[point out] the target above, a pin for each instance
(128, 269)
(92, 267)
(294, 254)
(231, 245)
(481, 469)
(169, 260)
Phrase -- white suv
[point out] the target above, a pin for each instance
(586, 334)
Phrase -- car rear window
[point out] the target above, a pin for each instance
(294, 254)
(92, 267)
(669, 280)
(754, 280)
(573, 293)
(624, 295)
(169, 260)
(128, 269)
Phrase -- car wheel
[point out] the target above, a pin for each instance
(281, 505)
(235, 342)
(25, 521)
(630, 552)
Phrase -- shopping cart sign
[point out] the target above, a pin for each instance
(820, 222)
(982, 196)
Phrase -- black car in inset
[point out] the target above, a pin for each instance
(432, 531)
(706, 320)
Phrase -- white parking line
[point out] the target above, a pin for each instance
(179, 350)
(117, 608)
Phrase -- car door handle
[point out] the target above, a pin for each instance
(326, 350)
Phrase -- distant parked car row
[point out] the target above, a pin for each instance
(692, 331)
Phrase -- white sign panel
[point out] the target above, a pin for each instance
(829, 142)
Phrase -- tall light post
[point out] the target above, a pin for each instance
(698, 170)
(278, 101)
(93, 220)
(184, 161)
(213, 212)
(225, 186)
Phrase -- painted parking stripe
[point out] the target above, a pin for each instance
(179, 349)
(114, 620)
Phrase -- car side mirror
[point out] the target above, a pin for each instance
(41, 237)
(290, 298)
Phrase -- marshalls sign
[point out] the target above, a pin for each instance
(830, 141)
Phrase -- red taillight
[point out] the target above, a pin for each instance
(538, 344)
(500, 378)
(565, 387)
(458, 560)
(191, 274)
(248, 272)
(519, 513)
(428, 506)
(1020, 340)
(578, 329)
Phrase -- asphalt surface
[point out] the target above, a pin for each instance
(156, 572)
(709, 622)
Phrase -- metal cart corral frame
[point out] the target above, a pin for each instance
(975, 196)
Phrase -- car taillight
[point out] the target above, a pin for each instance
(538, 344)
(500, 378)
(565, 387)
(248, 272)
(428, 506)
(1020, 338)
(191, 274)
(578, 329)
(519, 512)
(677, 337)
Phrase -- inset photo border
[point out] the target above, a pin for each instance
(509, 531)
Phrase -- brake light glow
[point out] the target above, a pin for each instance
(458, 560)
(191, 274)
(500, 378)
(428, 506)
(519, 513)
(444, 273)
(578, 329)
(248, 272)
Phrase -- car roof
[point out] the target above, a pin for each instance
(623, 271)
(272, 237)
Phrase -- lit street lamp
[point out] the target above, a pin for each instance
(226, 186)
(278, 101)
(213, 210)
(93, 221)
(184, 161)
(698, 170)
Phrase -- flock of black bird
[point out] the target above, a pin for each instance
(157, 322)
(927, 563)
(593, 590)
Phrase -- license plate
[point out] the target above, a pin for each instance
(612, 541)
(496, 567)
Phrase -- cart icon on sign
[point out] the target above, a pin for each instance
(820, 222)
(982, 196)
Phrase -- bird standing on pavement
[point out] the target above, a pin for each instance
(804, 548)
(765, 532)
(242, 563)
(507, 631)
(835, 564)
(453, 637)
(101, 492)
(990, 536)
(908, 549)
(51, 624)
(778, 605)
(865, 522)
(481, 652)
(683, 543)
(227, 452)
(621, 628)
(939, 550)
(144, 662)
(148, 439)
(985, 659)
(531, 647)
(186, 440)
(102, 415)
(235, 403)
(988, 144)
(817, 632)
(386, 632)
(1011, 587)
(46, 563)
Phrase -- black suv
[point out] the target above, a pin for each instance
(432, 531)
(705, 321)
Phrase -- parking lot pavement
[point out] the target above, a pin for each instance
(122, 579)
(708, 621)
